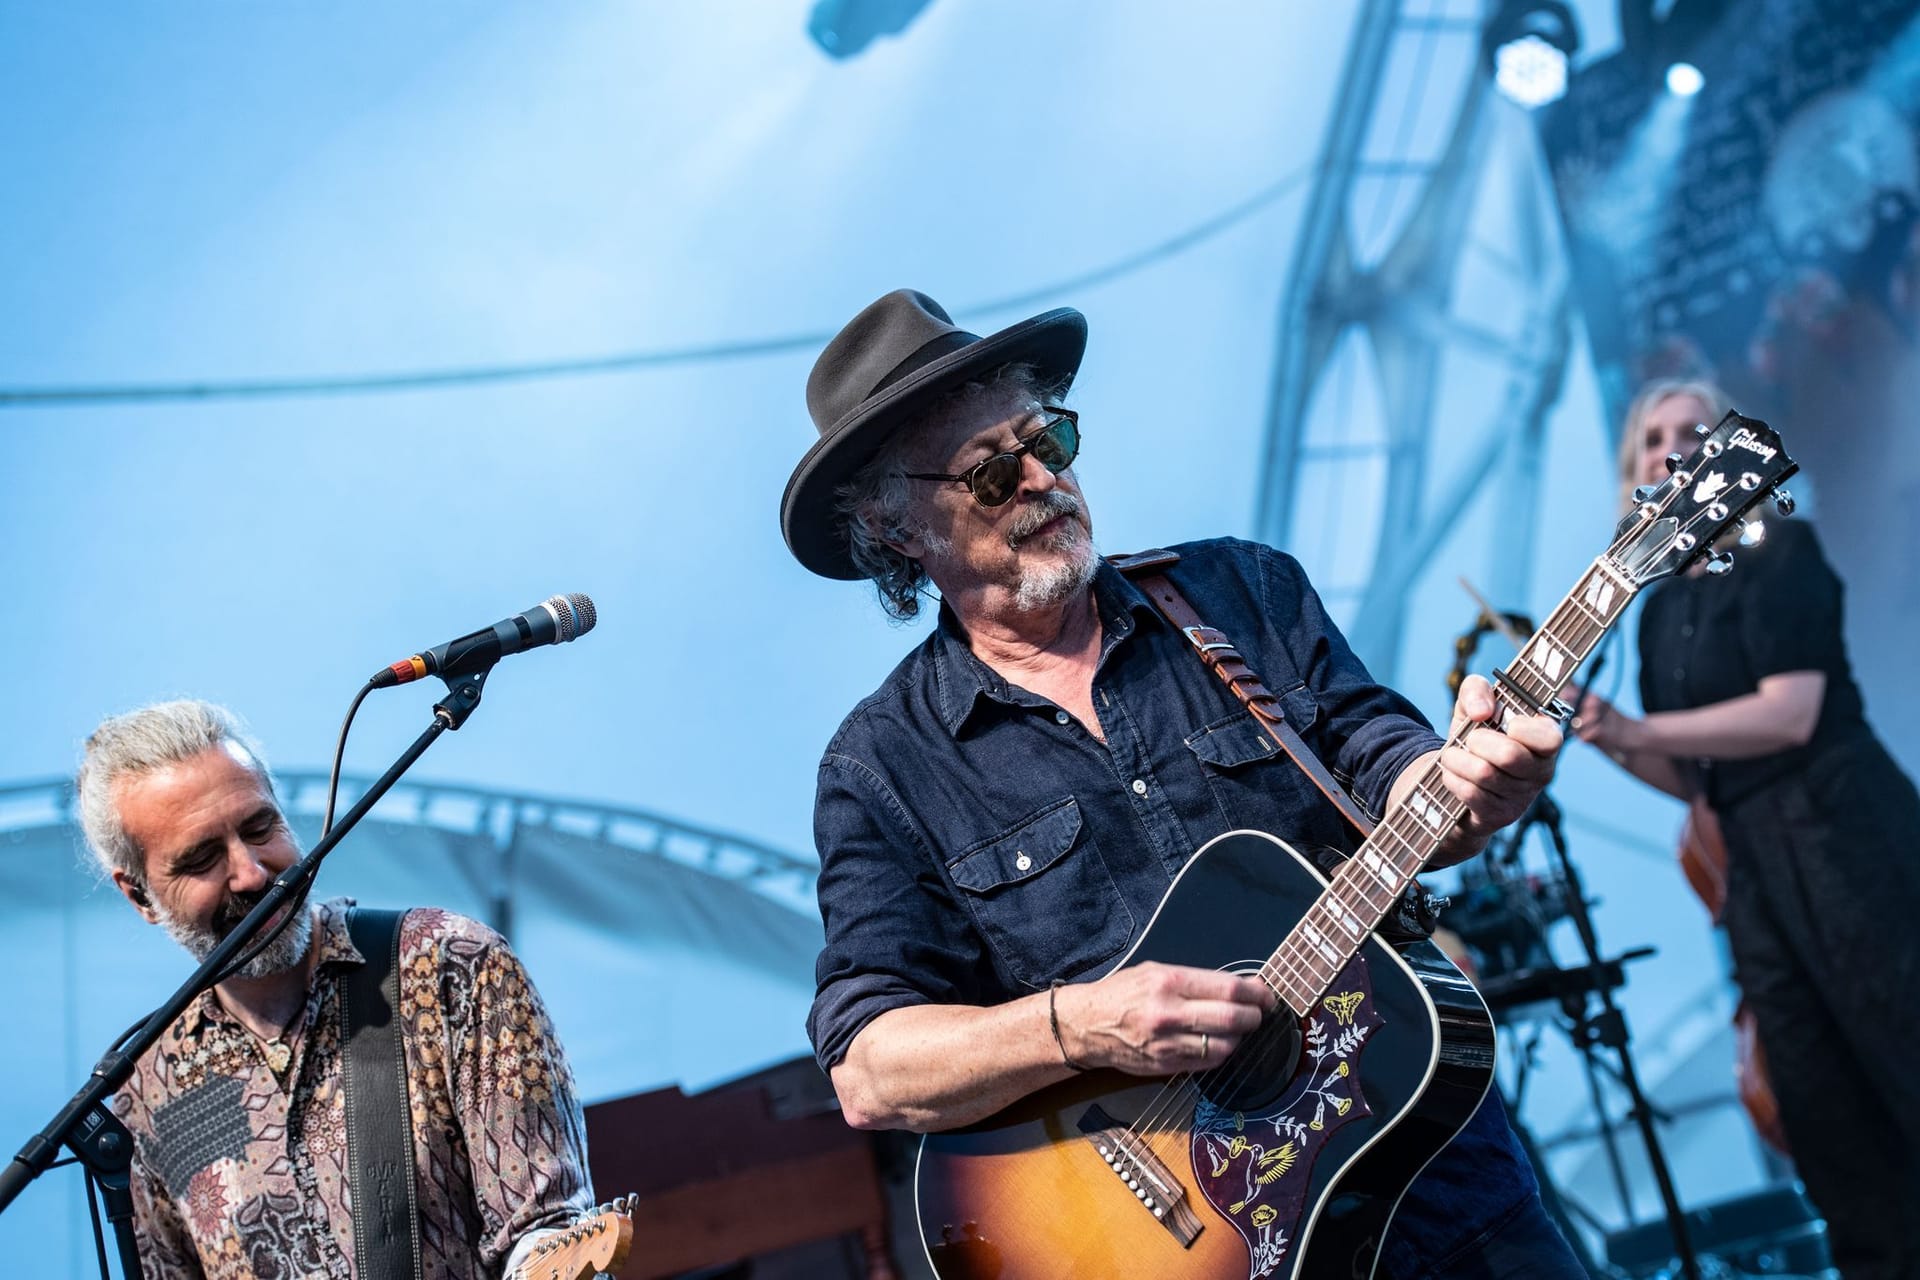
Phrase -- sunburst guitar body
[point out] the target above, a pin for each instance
(1286, 1161)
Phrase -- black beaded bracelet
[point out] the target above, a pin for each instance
(1053, 1020)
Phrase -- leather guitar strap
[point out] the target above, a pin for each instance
(1225, 661)
(380, 1172)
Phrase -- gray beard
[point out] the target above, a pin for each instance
(287, 951)
(1044, 586)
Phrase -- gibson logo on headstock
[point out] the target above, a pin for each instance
(1745, 439)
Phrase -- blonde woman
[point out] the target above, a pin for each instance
(1751, 706)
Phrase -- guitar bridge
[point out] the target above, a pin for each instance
(1143, 1173)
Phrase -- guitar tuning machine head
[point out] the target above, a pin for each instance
(1783, 502)
(1752, 533)
(1702, 430)
(1642, 493)
(1720, 562)
(1673, 462)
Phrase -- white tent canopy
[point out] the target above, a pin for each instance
(699, 196)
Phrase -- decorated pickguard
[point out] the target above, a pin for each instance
(1254, 1169)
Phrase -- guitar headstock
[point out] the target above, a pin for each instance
(1677, 521)
(590, 1247)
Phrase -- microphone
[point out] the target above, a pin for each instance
(554, 620)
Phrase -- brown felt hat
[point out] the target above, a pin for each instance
(893, 359)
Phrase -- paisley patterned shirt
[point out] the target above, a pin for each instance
(240, 1169)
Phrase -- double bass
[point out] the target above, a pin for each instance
(1703, 860)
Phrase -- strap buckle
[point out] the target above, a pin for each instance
(1205, 646)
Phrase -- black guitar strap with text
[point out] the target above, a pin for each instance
(380, 1173)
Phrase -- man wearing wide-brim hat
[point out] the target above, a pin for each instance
(999, 822)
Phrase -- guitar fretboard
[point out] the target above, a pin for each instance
(1366, 886)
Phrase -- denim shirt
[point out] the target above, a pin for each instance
(977, 842)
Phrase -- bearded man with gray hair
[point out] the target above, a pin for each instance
(239, 1116)
(999, 823)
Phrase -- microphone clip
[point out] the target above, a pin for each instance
(463, 697)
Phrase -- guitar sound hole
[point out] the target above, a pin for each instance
(1259, 1070)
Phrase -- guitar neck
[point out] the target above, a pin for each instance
(1365, 887)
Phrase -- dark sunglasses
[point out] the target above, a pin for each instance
(994, 480)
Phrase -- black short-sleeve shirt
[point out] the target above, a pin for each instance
(1706, 639)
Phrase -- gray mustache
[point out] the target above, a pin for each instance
(233, 911)
(1043, 509)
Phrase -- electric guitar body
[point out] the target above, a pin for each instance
(1286, 1161)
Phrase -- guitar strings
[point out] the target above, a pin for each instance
(1162, 1111)
(1161, 1115)
(1183, 1090)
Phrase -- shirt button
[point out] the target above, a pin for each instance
(1139, 786)
(1022, 862)
(1679, 673)
(1061, 717)
(1686, 631)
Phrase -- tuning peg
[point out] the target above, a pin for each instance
(1702, 430)
(1720, 562)
(1673, 462)
(1643, 493)
(1783, 502)
(1753, 533)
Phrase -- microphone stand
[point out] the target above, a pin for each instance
(1608, 1029)
(86, 1126)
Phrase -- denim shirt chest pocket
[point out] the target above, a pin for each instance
(1239, 739)
(1043, 898)
(1252, 781)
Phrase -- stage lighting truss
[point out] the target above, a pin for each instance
(783, 877)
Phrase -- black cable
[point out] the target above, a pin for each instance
(299, 904)
(99, 1237)
(128, 1033)
(434, 379)
(339, 752)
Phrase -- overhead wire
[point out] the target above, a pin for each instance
(623, 362)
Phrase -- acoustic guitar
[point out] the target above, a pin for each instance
(1289, 1159)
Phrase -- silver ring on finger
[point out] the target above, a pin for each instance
(1206, 1042)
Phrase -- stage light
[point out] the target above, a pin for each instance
(1684, 80)
(1530, 71)
(1530, 44)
